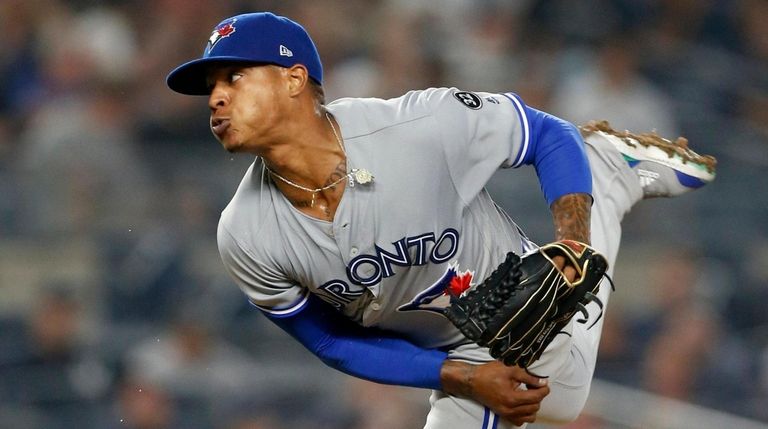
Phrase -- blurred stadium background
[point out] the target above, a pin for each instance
(115, 311)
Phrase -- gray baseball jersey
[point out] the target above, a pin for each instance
(396, 247)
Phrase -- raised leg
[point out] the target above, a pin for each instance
(626, 168)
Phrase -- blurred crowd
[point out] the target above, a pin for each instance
(116, 312)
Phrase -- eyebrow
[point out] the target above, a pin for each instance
(222, 69)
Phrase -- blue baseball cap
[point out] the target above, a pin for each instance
(249, 38)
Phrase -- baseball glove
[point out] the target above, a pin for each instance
(525, 302)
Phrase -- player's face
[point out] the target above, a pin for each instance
(246, 106)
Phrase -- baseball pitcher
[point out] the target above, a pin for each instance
(364, 230)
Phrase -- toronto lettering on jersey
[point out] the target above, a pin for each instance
(367, 270)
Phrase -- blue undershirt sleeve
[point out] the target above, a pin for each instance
(557, 153)
(366, 353)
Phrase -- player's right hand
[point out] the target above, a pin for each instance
(509, 391)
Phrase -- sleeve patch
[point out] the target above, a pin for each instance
(469, 99)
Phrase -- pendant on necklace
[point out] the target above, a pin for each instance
(361, 176)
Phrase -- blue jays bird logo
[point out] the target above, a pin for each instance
(438, 296)
(225, 29)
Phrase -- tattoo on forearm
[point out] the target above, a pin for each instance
(461, 382)
(571, 216)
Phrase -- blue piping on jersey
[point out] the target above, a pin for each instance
(490, 419)
(285, 311)
(555, 148)
(526, 131)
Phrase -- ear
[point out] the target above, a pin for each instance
(298, 78)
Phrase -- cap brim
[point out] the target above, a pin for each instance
(190, 78)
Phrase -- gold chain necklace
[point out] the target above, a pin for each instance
(359, 175)
(316, 190)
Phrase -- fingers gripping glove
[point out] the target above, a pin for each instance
(525, 302)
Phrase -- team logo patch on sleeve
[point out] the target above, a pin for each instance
(469, 99)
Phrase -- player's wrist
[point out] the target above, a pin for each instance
(571, 215)
(457, 378)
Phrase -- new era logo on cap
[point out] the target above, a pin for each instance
(285, 52)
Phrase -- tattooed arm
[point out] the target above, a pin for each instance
(558, 153)
(571, 216)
